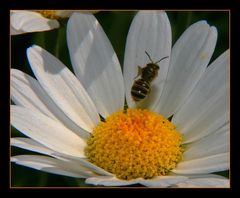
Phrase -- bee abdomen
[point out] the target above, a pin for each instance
(140, 89)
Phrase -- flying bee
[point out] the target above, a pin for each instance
(142, 86)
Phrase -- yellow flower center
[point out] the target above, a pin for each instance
(50, 14)
(136, 143)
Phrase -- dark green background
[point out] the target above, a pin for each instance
(116, 25)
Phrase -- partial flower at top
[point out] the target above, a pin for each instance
(24, 21)
(61, 112)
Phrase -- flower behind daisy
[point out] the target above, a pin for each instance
(25, 21)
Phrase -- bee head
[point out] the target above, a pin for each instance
(154, 66)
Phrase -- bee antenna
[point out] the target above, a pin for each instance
(149, 56)
(161, 59)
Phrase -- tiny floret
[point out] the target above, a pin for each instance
(135, 144)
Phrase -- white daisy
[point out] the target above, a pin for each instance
(24, 21)
(59, 111)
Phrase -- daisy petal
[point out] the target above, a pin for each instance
(95, 63)
(205, 181)
(213, 144)
(47, 131)
(109, 181)
(63, 87)
(207, 107)
(27, 92)
(51, 165)
(31, 145)
(189, 59)
(27, 21)
(213, 163)
(13, 31)
(151, 32)
(85, 163)
(162, 181)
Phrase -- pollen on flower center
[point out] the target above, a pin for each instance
(136, 143)
(50, 14)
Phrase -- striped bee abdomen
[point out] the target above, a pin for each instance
(140, 89)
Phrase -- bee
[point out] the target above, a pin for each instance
(142, 86)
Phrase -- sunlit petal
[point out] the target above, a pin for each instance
(150, 31)
(51, 165)
(207, 108)
(189, 59)
(47, 131)
(204, 181)
(209, 164)
(63, 87)
(95, 63)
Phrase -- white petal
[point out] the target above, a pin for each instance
(13, 31)
(47, 131)
(27, 21)
(63, 87)
(205, 181)
(189, 59)
(162, 181)
(194, 176)
(31, 145)
(27, 92)
(51, 165)
(214, 163)
(216, 143)
(95, 63)
(207, 108)
(85, 163)
(109, 181)
(151, 32)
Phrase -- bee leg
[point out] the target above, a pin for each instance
(139, 72)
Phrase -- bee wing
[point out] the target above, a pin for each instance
(139, 72)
